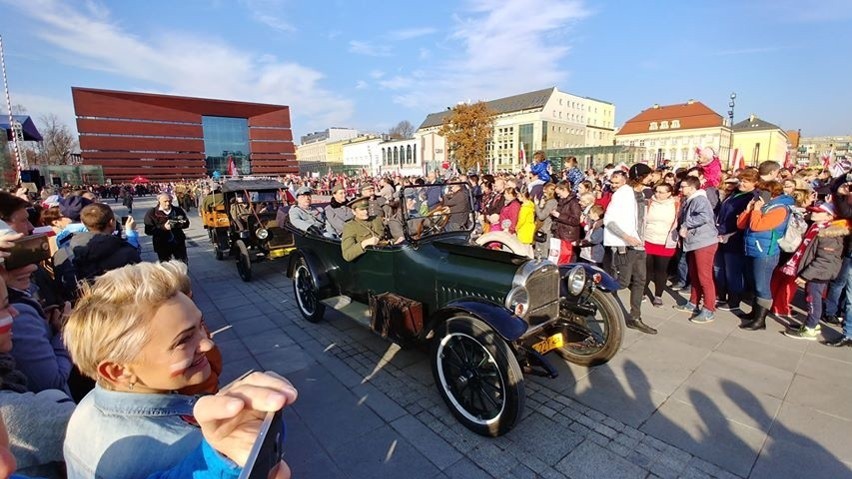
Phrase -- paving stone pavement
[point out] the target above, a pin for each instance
(706, 401)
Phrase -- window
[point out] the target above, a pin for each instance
(675, 123)
(560, 102)
(653, 126)
(225, 138)
(641, 143)
(664, 125)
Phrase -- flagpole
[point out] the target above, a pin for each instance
(15, 147)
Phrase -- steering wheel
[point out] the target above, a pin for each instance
(443, 214)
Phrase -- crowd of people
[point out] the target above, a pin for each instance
(103, 356)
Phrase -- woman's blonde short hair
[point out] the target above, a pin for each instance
(110, 320)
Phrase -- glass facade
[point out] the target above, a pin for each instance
(223, 138)
(525, 137)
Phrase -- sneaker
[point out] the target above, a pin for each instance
(658, 302)
(803, 333)
(795, 326)
(686, 307)
(704, 317)
(644, 299)
(840, 342)
(727, 307)
(678, 287)
(831, 320)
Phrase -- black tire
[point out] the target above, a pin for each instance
(243, 261)
(469, 361)
(217, 248)
(607, 327)
(305, 291)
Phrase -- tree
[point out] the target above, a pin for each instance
(402, 130)
(58, 142)
(467, 130)
(7, 163)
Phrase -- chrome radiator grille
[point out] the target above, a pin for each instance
(543, 288)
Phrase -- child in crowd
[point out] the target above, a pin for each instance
(816, 262)
(711, 166)
(591, 246)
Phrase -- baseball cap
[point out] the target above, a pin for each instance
(639, 170)
(822, 206)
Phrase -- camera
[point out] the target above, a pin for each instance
(177, 222)
(28, 250)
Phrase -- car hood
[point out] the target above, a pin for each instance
(476, 251)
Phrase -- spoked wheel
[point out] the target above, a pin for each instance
(478, 376)
(306, 293)
(591, 340)
(217, 248)
(243, 261)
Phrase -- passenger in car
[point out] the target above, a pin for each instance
(337, 213)
(415, 222)
(361, 231)
(302, 216)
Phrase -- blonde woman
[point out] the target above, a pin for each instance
(142, 339)
(526, 220)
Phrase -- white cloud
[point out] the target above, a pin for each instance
(425, 54)
(369, 49)
(498, 54)
(396, 83)
(376, 74)
(40, 105)
(183, 64)
(267, 13)
(409, 33)
(361, 85)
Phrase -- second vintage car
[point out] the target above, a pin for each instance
(488, 316)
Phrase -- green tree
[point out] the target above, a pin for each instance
(468, 130)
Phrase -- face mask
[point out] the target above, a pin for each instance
(5, 324)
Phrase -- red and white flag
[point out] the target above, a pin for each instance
(522, 156)
(737, 160)
(788, 160)
(232, 167)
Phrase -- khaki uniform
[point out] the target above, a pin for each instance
(356, 231)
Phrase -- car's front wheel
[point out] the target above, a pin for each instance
(243, 261)
(593, 339)
(306, 293)
(478, 376)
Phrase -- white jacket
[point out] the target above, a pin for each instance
(621, 211)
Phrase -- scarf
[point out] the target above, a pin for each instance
(336, 204)
(11, 379)
(791, 268)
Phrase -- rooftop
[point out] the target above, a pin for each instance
(691, 115)
(524, 101)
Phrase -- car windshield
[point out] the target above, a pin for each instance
(432, 210)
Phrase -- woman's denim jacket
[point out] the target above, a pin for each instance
(122, 435)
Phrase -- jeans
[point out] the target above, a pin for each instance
(631, 274)
(842, 284)
(701, 276)
(815, 293)
(728, 274)
(758, 276)
(682, 270)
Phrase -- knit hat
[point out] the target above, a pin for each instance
(823, 207)
(71, 206)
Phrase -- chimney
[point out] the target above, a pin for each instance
(690, 101)
(751, 118)
(656, 106)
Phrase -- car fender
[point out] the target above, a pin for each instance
(506, 324)
(323, 282)
(607, 282)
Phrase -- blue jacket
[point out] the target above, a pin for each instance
(540, 169)
(696, 215)
(765, 243)
(123, 435)
(726, 221)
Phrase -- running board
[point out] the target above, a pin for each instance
(358, 312)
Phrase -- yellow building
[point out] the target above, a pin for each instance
(334, 152)
(758, 140)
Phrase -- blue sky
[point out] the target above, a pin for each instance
(370, 64)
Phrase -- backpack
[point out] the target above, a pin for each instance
(796, 228)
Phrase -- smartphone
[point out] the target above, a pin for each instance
(28, 250)
(765, 196)
(268, 448)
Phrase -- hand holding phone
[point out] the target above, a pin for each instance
(26, 251)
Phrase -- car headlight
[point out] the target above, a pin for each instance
(518, 301)
(577, 280)
(262, 233)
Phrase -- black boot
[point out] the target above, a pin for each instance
(638, 325)
(759, 321)
(750, 316)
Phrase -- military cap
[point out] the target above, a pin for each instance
(362, 202)
(305, 190)
(337, 188)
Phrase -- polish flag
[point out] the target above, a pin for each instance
(522, 156)
(232, 167)
(737, 160)
(788, 161)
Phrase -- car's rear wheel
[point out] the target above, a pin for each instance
(243, 261)
(217, 248)
(305, 291)
(478, 376)
(592, 340)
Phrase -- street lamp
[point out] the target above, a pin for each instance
(731, 105)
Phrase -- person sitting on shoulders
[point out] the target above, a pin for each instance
(302, 216)
(361, 231)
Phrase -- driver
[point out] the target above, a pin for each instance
(361, 231)
(458, 201)
(239, 208)
(302, 216)
(416, 223)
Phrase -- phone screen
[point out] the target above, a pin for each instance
(267, 449)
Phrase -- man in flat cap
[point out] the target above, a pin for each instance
(361, 231)
(302, 216)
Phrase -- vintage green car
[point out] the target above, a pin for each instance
(489, 316)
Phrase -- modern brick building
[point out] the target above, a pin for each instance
(165, 137)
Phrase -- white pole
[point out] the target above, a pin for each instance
(15, 147)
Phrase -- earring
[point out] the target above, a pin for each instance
(131, 385)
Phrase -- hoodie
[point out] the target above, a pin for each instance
(93, 254)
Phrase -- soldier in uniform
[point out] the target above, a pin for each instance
(361, 231)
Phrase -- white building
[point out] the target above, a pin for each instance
(401, 156)
(540, 120)
(363, 152)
